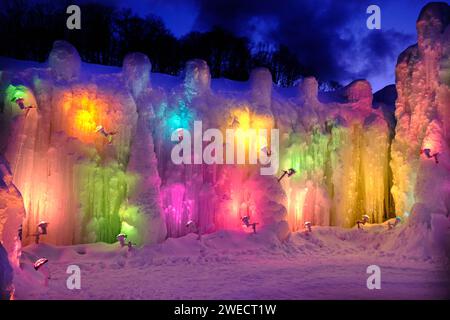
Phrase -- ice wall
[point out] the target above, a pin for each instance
(90, 184)
(142, 216)
(12, 213)
(340, 150)
(69, 174)
(421, 186)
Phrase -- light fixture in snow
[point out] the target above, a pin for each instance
(122, 237)
(192, 227)
(40, 265)
(41, 230)
(42, 227)
(397, 221)
(289, 173)
(308, 226)
(247, 223)
(21, 103)
(427, 152)
(107, 134)
(363, 221)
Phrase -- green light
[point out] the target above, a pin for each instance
(134, 223)
(16, 92)
(310, 153)
(102, 192)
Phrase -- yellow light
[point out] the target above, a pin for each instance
(85, 121)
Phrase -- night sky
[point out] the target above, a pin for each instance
(330, 37)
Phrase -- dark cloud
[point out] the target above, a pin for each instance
(382, 48)
(320, 32)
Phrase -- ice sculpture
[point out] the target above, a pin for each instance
(64, 61)
(91, 187)
(340, 150)
(420, 185)
(57, 158)
(197, 80)
(149, 225)
(136, 71)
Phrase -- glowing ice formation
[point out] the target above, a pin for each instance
(101, 218)
(91, 188)
(423, 120)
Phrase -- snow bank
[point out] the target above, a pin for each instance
(6, 275)
(12, 213)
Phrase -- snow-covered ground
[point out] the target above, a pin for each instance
(330, 263)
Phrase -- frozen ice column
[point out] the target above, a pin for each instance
(64, 61)
(136, 70)
(148, 219)
(423, 113)
(197, 79)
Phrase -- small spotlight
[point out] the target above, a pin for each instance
(365, 219)
(21, 103)
(41, 230)
(39, 265)
(397, 221)
(247, 223)
(100, 129)
(308, 226)
(429, 155)
(289, 173)
(192, 227)
(122, 237)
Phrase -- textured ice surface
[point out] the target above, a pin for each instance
(6, 274)
(64, 61)
(423, 119)
(12, 213)
(90, 186)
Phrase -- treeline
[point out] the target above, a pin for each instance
(28, 30)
